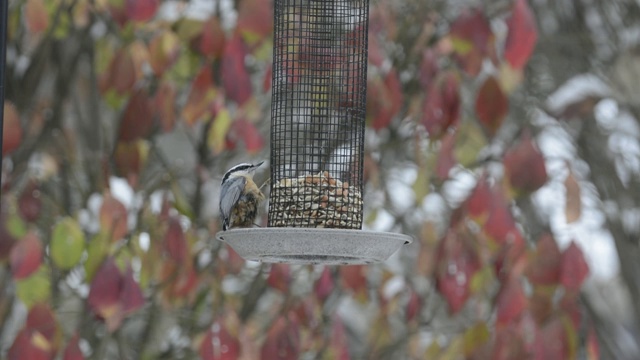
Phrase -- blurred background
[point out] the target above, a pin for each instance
(502, 135)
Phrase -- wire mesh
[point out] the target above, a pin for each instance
(318, 113)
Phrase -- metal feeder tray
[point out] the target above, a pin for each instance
(313, 245)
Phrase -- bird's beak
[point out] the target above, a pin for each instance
(255, 166)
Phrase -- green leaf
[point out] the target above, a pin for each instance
(469, 141)
(474, 338)
(67, 243)
(97, 251)
(36, 288)
(218, 131)
(16, 227)
(421, 186)
(181, 203)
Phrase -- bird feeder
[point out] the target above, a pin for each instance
(317, 138)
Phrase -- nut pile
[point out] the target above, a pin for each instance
(319, 201)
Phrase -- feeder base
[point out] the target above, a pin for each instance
(313, 246)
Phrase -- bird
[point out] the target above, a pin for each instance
(240, 197)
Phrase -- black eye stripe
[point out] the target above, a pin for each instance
(235, 169)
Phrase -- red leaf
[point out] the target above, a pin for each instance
(255, 20)
(473, 40)
(121, 74)
(104, 294)
(41, 319)
(235, 78)
(573, 268)
(11, 130)
(234, 262)
(553, 343)
(113, 295)
(7, 240)
(36, 16)
(72, 351)
(131, 296)
(283, 340)
(413, 305)
(478, 204)
(511, 302)
(324, 285)
(339, 344)
(525, 165)
(376, 55)
(164, 106)
(508, 345)
(446, 158)
(522, 35)
(201, 96)
(268, 75)
(24, 347)
(175, 243)
(457, 263)
(137, 120)
(211, 40)
(544, 268)
(130, 158)
(26, 256)
(428, 67)
(442, 105)
(219, 344)
(354, 278)
(29, 202)
(141, 10)
(180, 279)
(279, 277)
(385, 99)
(113, 217)
(491, 105)
(164, 49)
(242, 129)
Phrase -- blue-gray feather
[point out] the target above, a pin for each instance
(230, 194)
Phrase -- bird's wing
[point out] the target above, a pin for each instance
(230, 193)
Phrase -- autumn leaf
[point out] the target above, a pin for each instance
(40, 337)
(67, 243)
(573, 268)
(522, 35)
(73, 351)
(472, 40)
(247, 132)
(384, 99)
(441, 107)
(219, 344)
(30, 202)
(235, 77)
(36, 16)
(211, 41)
(544, 267)
(175, 242)
(164, 106)
(324, 286)
(136, 121)
(121, 74)
(114, 295)
(164, 49)
(446, 159)
(279, 277)
(130, 158)
(354, 279)
(218, 131)
(491, 105)
(428, 67)
(456, 265)
(510, 303)
(26, 256)
(283, 340)
(201, 96)
(11, 130)
(525, 166)
(255, 20)
(36, 288)
(557, 340)
(141, 10)
(113, 217)
(573, 204)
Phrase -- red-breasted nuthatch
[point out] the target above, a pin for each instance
(239, 196)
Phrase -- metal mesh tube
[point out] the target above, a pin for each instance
(318, 113)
